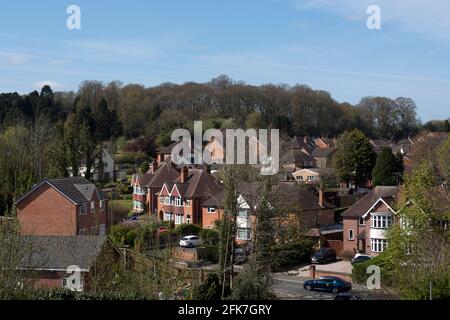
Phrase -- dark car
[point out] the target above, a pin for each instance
(360, 258)
(323, 255)
(347, 296)
(330, 284)
(240, 256)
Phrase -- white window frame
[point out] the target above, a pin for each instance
(378, 245)
(178, 202)
(363, 220)
(179, 219)
(188, 203)
(380, 221)
(92, 206)
(168, 216)
(247, 236)
(211, 210)
(351, 234)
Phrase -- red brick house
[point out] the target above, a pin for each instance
(366, 221)
(63, 207)
(180, 200)
(311, 213)
(146, 186)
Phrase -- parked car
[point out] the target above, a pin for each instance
(190, 241)
(240, 256)
(330, 284)
(162, 229)
(360, 258)
(324, 255)
(347, 296)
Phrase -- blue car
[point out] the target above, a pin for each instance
(329, 284)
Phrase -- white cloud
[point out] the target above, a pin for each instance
(54, 85)
(430, 19)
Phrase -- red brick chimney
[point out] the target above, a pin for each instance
(154, 165)
(184, 174)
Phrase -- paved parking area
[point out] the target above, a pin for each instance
(340, 266)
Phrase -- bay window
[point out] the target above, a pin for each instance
(378, 245)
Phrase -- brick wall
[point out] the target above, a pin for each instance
(47, 212)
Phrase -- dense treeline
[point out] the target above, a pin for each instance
(222, 102)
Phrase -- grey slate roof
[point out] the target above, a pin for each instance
(358, 209)
(323, 152)
(59, 252)
(76, 189)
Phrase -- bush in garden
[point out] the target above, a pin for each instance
(291, 254)
(209, 236)
(187, 229)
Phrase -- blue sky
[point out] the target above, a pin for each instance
(322, 43)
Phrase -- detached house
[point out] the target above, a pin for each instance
(311, 213)
(63, 207)
(213, 210)
(366, 221)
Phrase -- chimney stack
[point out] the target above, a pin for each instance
(184, 174)
(154, 165)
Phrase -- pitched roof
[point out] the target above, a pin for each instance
(59, 252)
(76, 189)
(216, 200)
(165, 173)
(323, 152)
(359, 208)
(294, 196)
(201, 184)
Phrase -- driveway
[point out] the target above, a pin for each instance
(340, 266)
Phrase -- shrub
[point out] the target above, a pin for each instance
(359, 270)
(119, 212)
(187, 229)
(210, 289)
(291, 254)
(209, 236)
(124, 234)
(209, 253)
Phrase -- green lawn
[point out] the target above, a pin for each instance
(125, 203)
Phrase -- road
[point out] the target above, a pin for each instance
(291, 288)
